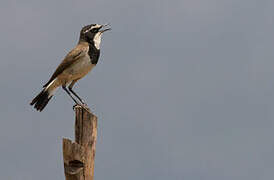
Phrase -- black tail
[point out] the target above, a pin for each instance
(41, 100)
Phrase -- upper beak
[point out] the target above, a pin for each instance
(104, 28)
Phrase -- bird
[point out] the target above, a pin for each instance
(76, 64)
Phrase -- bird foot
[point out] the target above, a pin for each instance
(74, 106)
(83, 105)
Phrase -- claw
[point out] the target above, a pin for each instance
(85, 106)
(74, 106)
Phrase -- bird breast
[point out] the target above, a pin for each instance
(80, 68)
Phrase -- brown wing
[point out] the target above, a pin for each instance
(79, 51)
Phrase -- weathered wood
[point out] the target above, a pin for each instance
(79, 155)
(74, 158)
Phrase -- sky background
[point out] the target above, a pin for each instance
(183, 89)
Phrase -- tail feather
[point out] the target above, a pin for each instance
(41, 100)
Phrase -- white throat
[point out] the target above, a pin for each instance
(97, 40)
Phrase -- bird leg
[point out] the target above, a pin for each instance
(65, 88)
(74, 93)
(82, 104)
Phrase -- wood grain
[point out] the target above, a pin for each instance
(79, 155)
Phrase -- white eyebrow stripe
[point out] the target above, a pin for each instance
(96, 26)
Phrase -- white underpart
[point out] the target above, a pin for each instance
(92, 27)
(97, 40)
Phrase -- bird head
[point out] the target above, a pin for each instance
(92, 33)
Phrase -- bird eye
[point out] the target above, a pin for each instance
(95, 30)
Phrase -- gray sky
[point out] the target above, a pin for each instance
(183, 90)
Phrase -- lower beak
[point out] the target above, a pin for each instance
(105, 29)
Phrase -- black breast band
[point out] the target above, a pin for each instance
(94, 54)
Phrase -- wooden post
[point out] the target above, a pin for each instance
(79, 155)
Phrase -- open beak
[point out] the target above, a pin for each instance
(105, 28)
